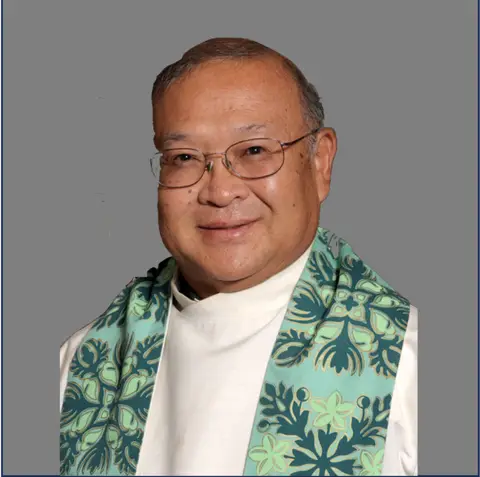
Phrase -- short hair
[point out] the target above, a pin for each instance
(234, 48)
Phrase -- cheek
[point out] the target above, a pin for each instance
(287, 190)
(291, 196)
(174, 208)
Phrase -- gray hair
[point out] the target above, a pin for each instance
(233, 48)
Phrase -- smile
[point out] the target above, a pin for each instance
(226, 231)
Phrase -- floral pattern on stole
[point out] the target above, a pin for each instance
(326, 397)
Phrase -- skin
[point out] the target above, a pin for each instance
(214, 107)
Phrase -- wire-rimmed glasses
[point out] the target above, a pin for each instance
(248, 159)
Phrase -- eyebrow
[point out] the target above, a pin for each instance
(251, 127)
(176, 136)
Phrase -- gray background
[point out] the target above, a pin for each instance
(399, 85)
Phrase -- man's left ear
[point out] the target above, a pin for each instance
(325, 150)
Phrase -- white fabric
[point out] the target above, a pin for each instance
(210, 377)
(401, 447)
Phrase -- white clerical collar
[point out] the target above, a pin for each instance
(269, 295)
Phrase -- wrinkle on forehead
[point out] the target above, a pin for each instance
(178, 136)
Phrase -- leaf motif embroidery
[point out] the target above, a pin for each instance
(330, 450)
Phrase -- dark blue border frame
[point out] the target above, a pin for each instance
(478, 257)
(1, 320)
(478, 232)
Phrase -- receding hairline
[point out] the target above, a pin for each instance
(240, 49)
(270, 62)
(270, 55)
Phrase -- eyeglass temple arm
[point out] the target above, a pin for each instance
(291, 143)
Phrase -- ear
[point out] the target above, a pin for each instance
(324, 154)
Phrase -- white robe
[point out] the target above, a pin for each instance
(210, 376)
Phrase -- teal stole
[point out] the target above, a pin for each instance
(325, 400)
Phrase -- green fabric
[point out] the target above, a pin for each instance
(325, 400)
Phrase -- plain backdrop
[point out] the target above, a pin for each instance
(399, 85)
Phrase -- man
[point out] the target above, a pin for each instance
(264, 346)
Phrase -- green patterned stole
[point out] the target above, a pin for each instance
(326, 396)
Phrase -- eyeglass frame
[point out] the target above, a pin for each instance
(227, 164)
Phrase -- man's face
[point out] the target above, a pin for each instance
(219, 104)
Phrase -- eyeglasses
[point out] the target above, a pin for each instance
(250, 159)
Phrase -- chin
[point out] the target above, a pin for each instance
(229, 275)
(230, 268)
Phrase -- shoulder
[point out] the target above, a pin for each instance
(138, 286)
(410, 344)
(69, 347)
(71, 344)
(67, 352)
(413, 317)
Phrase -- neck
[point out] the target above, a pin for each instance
(185, 288)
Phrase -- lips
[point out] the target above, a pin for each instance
(221, 225)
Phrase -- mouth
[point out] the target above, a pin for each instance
(223, 232)
(226, 225)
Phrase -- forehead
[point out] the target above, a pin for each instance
(231, 92)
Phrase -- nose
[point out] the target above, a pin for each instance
(220, 187)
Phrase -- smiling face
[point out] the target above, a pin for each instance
(227, 233)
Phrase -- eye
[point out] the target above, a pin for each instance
(254, 150)
(182, 157)
(179, 157)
